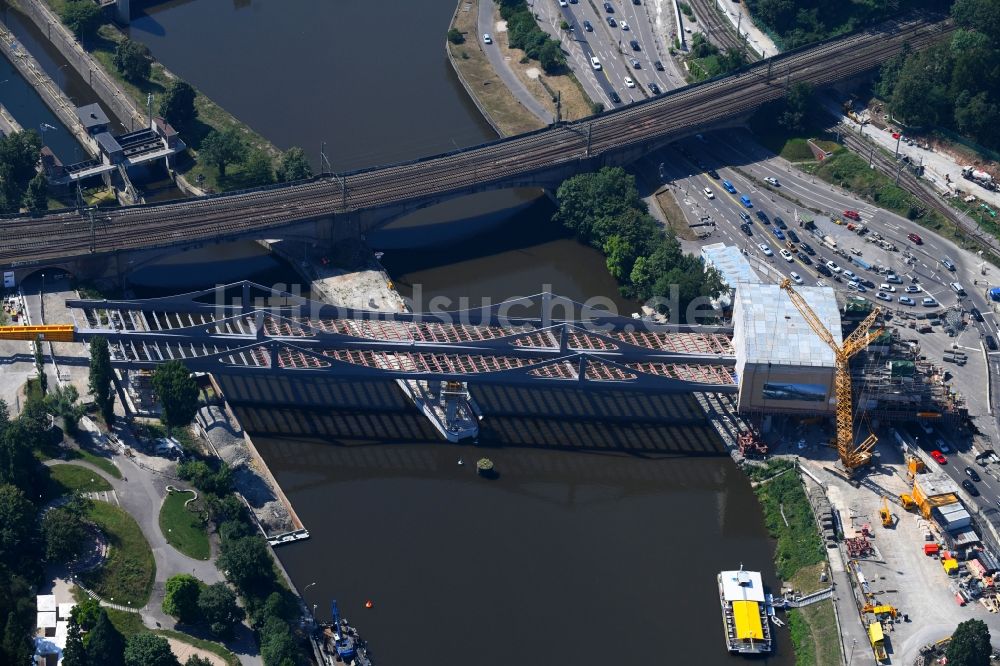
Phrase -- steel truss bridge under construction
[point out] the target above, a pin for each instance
(370, 197)
(269, 331)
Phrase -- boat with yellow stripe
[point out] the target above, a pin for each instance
(744, 612)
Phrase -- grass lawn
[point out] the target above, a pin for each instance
(184, 528)
(211, 646)
(814, 635)
(67, 479)
(101, 462)
(127, 575)
(806, 580)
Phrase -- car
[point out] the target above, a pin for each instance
(612, 22)
(762, 216)
(780, 223)
(887, 287)
(852, 215)
(860, 288)
(792, 236)
(787, 255)
(939, 457)
(728, 187)
(906, 300)
(948, 263)
(883, 296)
(778, 233)
(973, 474)
(634, 44)
(746, 218)
(608, 8)
(970, 487)
(915, 238)
(833, 267)
(658, 66)
(745, 228)
(772, 181)
(804, 258)
(991, 342)
(745, 200)
(615, 98)
(928, 302)
(709, 194)
(655, 89)
(636, 2)
(892, 278)
(958, 289)
(942, 445)
(807, 248)
(912, 289)
(823, 270)
(588, 26)
(849, 274)
(765, 249)
(635, 63)
(713, 174)
(976, 314)
(629, 83)
(624, 25)
(487, 39)
(796, 278)
(595, 63)
(867, 283)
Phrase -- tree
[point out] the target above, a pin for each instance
(223, 148)
(203, 477)
(82, 17)
(455, 36)
(797, 103)
(218, 607)
(100, 378)
(19, 153)
(551, 57)
(132, 60)
(181, 600)
(277, 646)
(970, 644)
(257, 168)
(18, 531)
(43, 379)
(178, 393)
(86, 613)
(17, 645)
(246, 561)
(36, 197)
(65, 535)
(62, 402)
(294, 166)
(74, 654)
(195, 660)
(146, 649)
(177, 104)
(105, 644)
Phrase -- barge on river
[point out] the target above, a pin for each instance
(744, 612)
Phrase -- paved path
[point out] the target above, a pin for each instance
(502, 67)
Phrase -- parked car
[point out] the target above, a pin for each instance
(765, 249)
(973, 474)
(970, 487)
(939, 457)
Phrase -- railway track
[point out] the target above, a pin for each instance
(720, 31)
(69, 233)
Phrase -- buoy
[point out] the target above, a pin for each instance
(461, 462)
(369, 604)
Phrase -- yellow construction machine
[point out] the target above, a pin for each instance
(851, 456)
(884, 513)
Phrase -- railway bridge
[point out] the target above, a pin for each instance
(105, 242)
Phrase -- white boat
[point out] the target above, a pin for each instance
(744, 612)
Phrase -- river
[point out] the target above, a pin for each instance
(598, 543)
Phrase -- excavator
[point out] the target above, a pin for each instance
(884, 513)
(852, 456)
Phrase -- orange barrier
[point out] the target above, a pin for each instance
(54, 333)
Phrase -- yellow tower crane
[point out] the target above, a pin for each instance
(851, 456)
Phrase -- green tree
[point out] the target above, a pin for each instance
(177, 104)
(277, 645)
(132, 60)
(970, 644)
(177, 392)
(551, 57)
(195, 660)
(62, 402)
(258, 168)
(181, 598)
(36, 196)
(294, 166)
(223, 148)
(19, 154)
(86, 613)
(105, 644)
(246, 562)
(18, 529)
(218, 607)
(146, 649)
(100, 378)
(797, 104)
(17, 645)
(43, 379)
(82, 17)
(65, 535)
(74, 654)
(455, 36)
(216, 482)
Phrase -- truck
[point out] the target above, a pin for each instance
(981, 178)
(830, 241)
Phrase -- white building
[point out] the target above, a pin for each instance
(733, 267)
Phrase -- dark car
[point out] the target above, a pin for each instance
(612, 22)
(807, 249)
(745, 228)
(780, 222)
(792, 236)
(991, 343)
(635, 64)
(636, 2)
(615, 98)
(658, 66)
(823, 270)
(608, 8)
(970, 487)
(634, 44)
(973, 474)
(588, 26)
(655, 89)
(867, 283)
(762, 216)
(804, 258)
(713, 173)
(976, 314)
(746, 218)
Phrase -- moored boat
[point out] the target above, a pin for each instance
(744, 612)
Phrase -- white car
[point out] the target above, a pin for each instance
(772, 181)
(883, 296)
(629, 83)
(787, 255)
(595, 63)
(709, 194)
(849, 275)
(563, 3)
(487, 39)
(906, 300)
(912, 289)
(833, 267)
(796, 278)
(887, 287)
(765, 249)
(624, 25)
